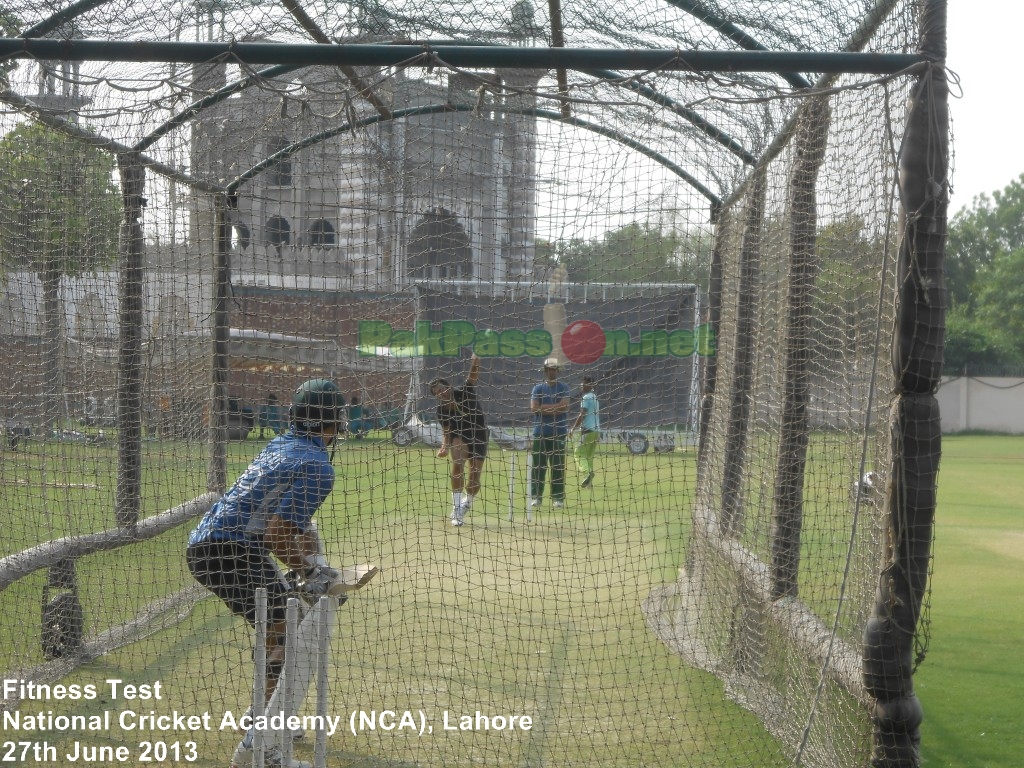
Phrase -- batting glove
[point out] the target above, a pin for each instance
(317, 579)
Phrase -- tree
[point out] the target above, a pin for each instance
(973, 343)
(637, 252)
(10, 26)
(846, 290)
(1001, 300)
(978, 234)
(59, 216)
(984, 256)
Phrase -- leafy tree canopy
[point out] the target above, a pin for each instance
(984, 264)
(59, 207)
(973, 343)
(978, 234)
(1001, 296)
(10, 26)
(635, 252)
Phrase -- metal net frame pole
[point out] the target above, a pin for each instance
(129, 359)
(915, 426)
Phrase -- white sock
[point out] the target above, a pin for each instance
(456, 500)
(467, 501)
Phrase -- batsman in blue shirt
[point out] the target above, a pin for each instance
(266, 517)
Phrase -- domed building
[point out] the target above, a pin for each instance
(431, 177)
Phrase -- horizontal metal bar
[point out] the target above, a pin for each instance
(460, 56)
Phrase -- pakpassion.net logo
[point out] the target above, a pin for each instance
(583, 341)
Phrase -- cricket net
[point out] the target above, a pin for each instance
(187, 234)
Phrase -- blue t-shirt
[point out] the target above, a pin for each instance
(591, 412)
(290, 478)
(550, 425)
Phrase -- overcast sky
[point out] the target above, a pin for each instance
(984, 48)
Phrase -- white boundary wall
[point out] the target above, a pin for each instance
(984, 403)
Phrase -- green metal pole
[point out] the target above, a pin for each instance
(309, 54)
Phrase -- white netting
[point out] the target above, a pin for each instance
(376, 226)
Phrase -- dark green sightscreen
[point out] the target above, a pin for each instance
(725, 214)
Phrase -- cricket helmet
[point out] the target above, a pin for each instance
(317, 403)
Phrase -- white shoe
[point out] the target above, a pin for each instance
(242, 758)
(456, 522)
(534, 502)
(558, 504)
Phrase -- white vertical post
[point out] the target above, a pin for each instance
(288, 678)
(259, 682)
(511, 485)
(696, 376)
(965, 402)
(529, 492)
(324, 624)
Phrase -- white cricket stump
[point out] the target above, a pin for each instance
(307, 651)
(324, 623)
(259, 683)
(284, 698)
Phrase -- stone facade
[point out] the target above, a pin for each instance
(448, 195)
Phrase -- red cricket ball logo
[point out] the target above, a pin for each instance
(583, 342)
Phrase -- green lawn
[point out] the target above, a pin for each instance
(510, 617)
(503, 617)
(972, 682)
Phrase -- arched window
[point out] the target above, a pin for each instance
(279, 231)
(439, 247)
(280, 173)
(321, 232)
(243, 237)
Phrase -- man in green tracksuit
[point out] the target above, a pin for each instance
(588, 421)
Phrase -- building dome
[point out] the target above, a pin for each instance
(522, 25)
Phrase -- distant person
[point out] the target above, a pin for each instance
(269, 416)
(588, 421)
(92, 411)
(464, 438)
(549, 403)
(357, 425)
(15, 432)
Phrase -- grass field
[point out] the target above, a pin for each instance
(972, 682)
(509, 617)
(505, 618)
